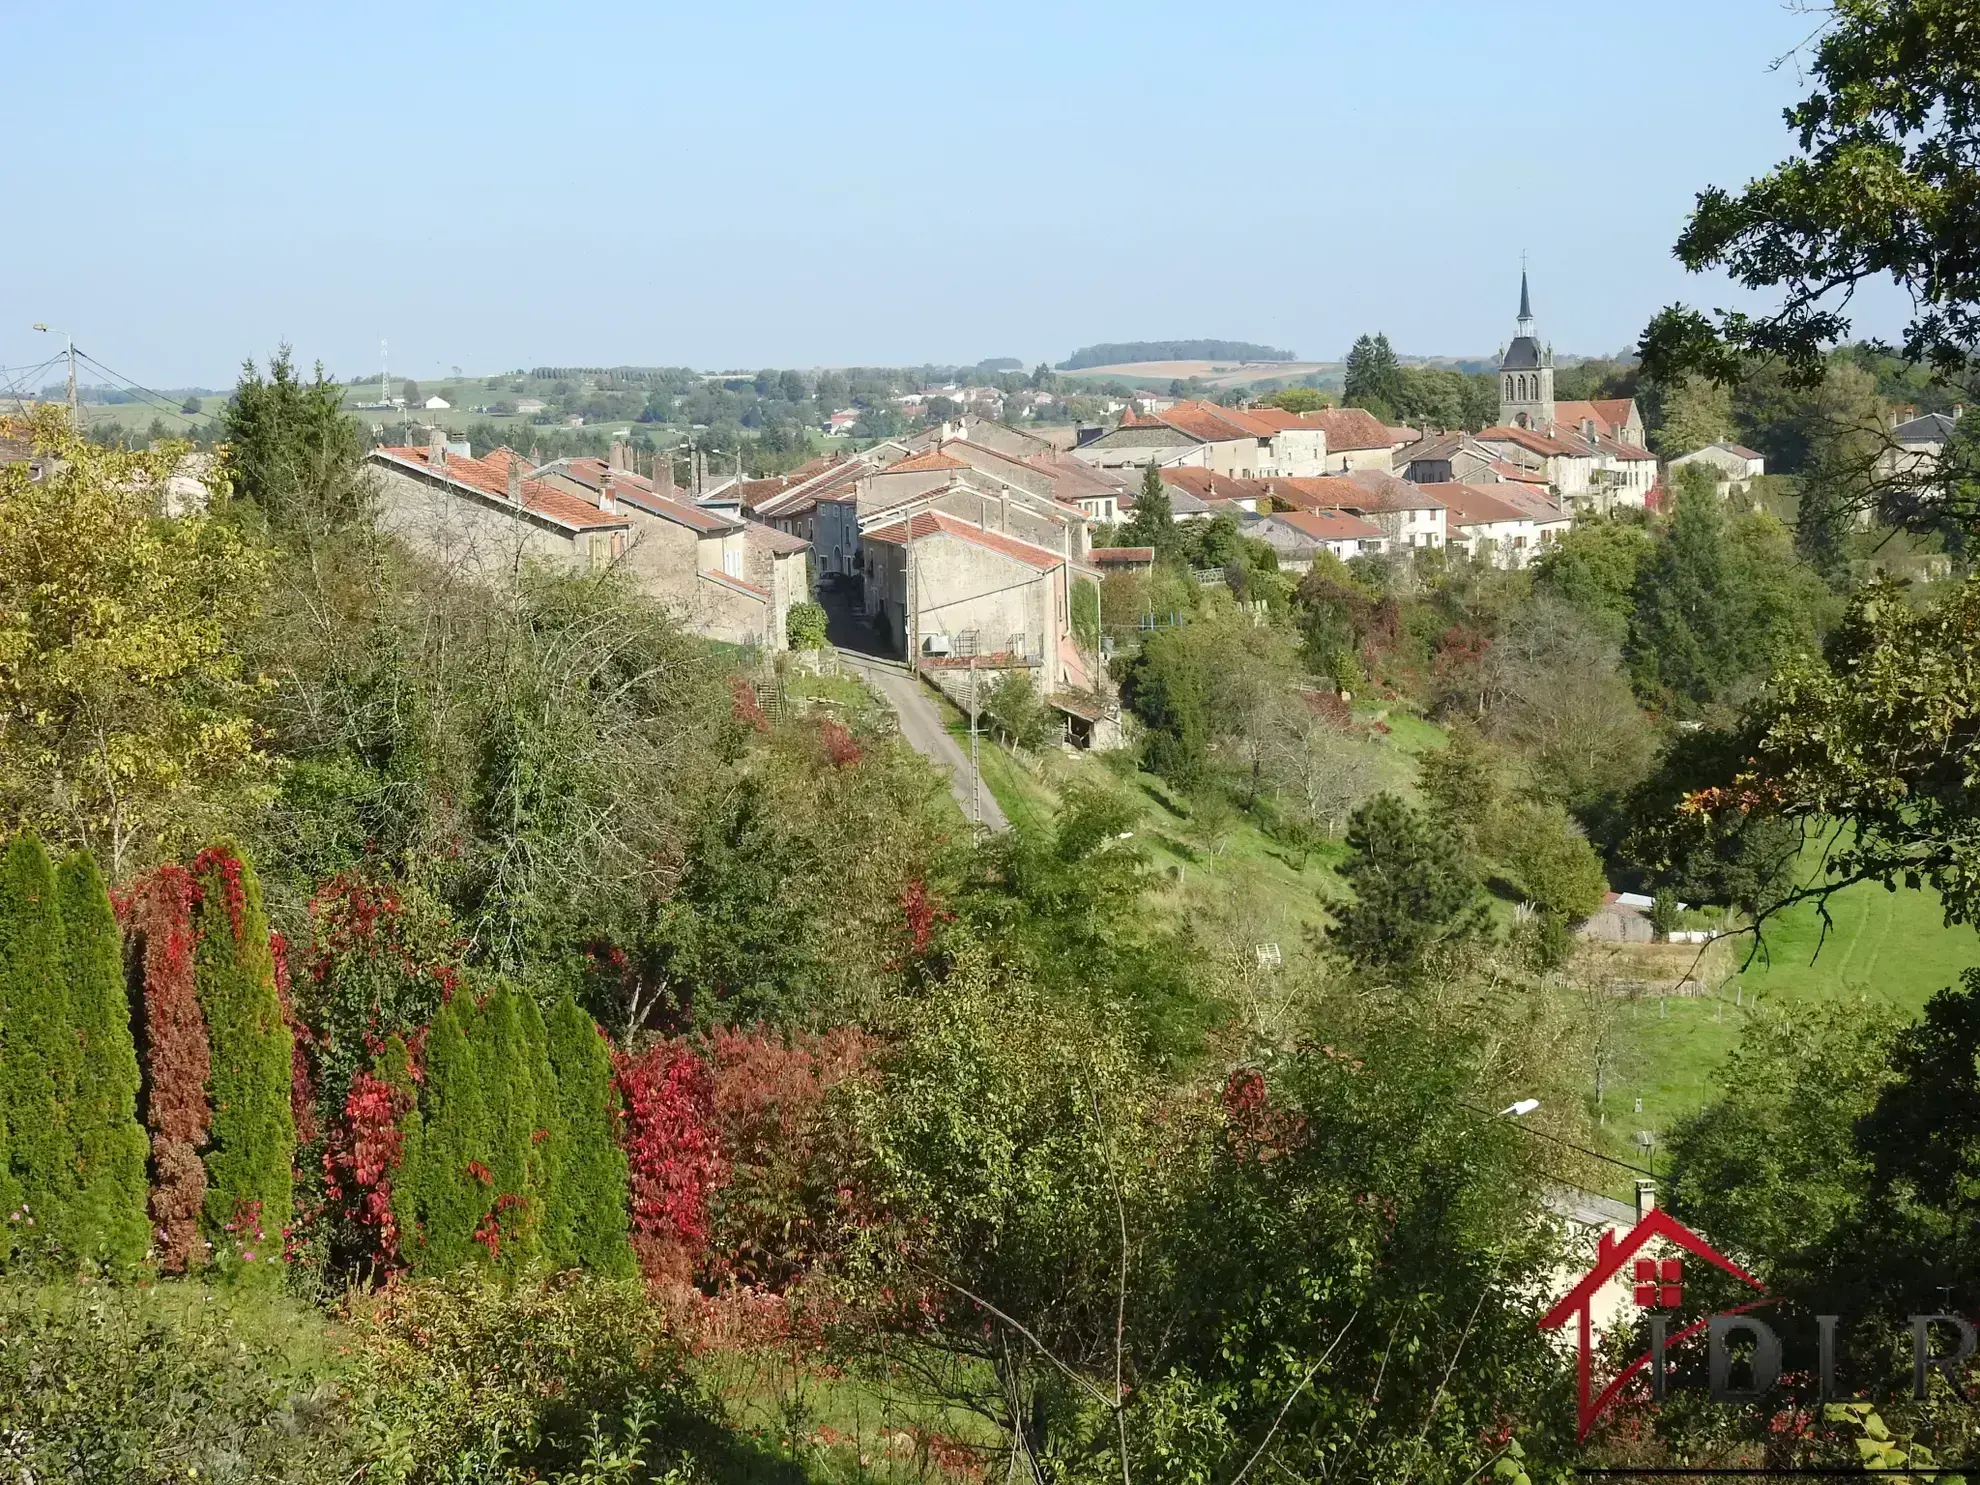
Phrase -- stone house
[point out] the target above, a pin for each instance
(1482, 525)
(1354, 438)
(485, 518)
(1409, 516)
(939, 584)
(1298, 535)
(1733, 466)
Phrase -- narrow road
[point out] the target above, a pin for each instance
(921, 725)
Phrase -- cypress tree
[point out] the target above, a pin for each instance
(37, 1049)
(444, 1191)
(107, 1219)
(514, 1069)
(587, 1225)
(250, 1156)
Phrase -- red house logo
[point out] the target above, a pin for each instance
(1658, 1286)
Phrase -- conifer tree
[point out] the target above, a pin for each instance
(1690, 622)
(250, 1155)
(586, 1226)
(516, 1071)
(107, 1220)
(37, 1050)
(1153, 523)
(444, 1183)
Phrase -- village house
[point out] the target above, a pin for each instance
(1122, 559)
(1238, 443)
(485, 518)
(1485, 526)
(1916, 445)
(1355, 439)
(940, 585)
(1297, 535)
(1733, 466)
(726, 577)
(1409, 516)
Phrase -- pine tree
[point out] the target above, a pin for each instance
(251, 1151)
(1689, 628)
(37, 1050)
(1153, 523)
(587, 1228)
(1372, 377)
(1413, 893)
(107, 1220)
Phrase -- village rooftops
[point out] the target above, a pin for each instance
(488, 479)
(1936, 427)
(1362, 490)
(1350, 428)
(1328, 525)
(1475, 505)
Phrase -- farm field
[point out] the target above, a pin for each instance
(1213, 373)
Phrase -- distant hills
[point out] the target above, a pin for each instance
(1131, 351)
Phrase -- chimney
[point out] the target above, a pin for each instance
(663, 473)
(608, 502)
(1004, 509)
(436, 447)
(515, 479)
(1646, 1199)
(618, 455)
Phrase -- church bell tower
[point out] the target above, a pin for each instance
(1526, 374)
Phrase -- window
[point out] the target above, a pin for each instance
(732, 562)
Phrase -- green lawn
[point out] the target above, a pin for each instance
(1891, 946)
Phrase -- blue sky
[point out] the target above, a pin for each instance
(498, 184)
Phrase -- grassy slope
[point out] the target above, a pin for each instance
(1891, 946)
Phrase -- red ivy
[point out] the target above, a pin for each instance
(157, 915)
(364, 1154)
(671, 1148)
(1258, 1131)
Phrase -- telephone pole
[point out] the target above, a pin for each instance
(75, 404)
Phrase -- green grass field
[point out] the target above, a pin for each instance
(1888, 946)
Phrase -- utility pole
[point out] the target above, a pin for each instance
(75, 404)
(968, 641)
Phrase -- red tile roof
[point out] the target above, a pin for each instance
(1109, 556)
(1350, 428)
(1534, 443)
(1328, 525)
(770, 539)
(933, 522)
(1474, 505)
(933, 459)
(723, 580)
(1518, 474)
(1344, 492)
(1211, 423)
(490, 476)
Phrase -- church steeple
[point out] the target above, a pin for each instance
(1526, 372)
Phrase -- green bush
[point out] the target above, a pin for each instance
(173, 1383)
(38, 1069)
(251, 1149)
(586, 1224)
(439, 1199)
(107, 1221)
(804, 625)
(470, 1379)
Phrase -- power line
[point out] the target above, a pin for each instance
(1541, 1134)
(159, 399)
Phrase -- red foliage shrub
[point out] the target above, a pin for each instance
(787, 1192)
(157, 917)
(1256, 1130)
(745, 707)
(674, 1158)
(842, 749)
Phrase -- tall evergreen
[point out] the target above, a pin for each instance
(250, 1154)
(37, 1051)
(1414, 894)
(1153, 523)
(442, 1196)
(107, 1219)
(516, 1072)
(586, 1225)
(1691, 615)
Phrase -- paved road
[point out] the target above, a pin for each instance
(921, 725)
